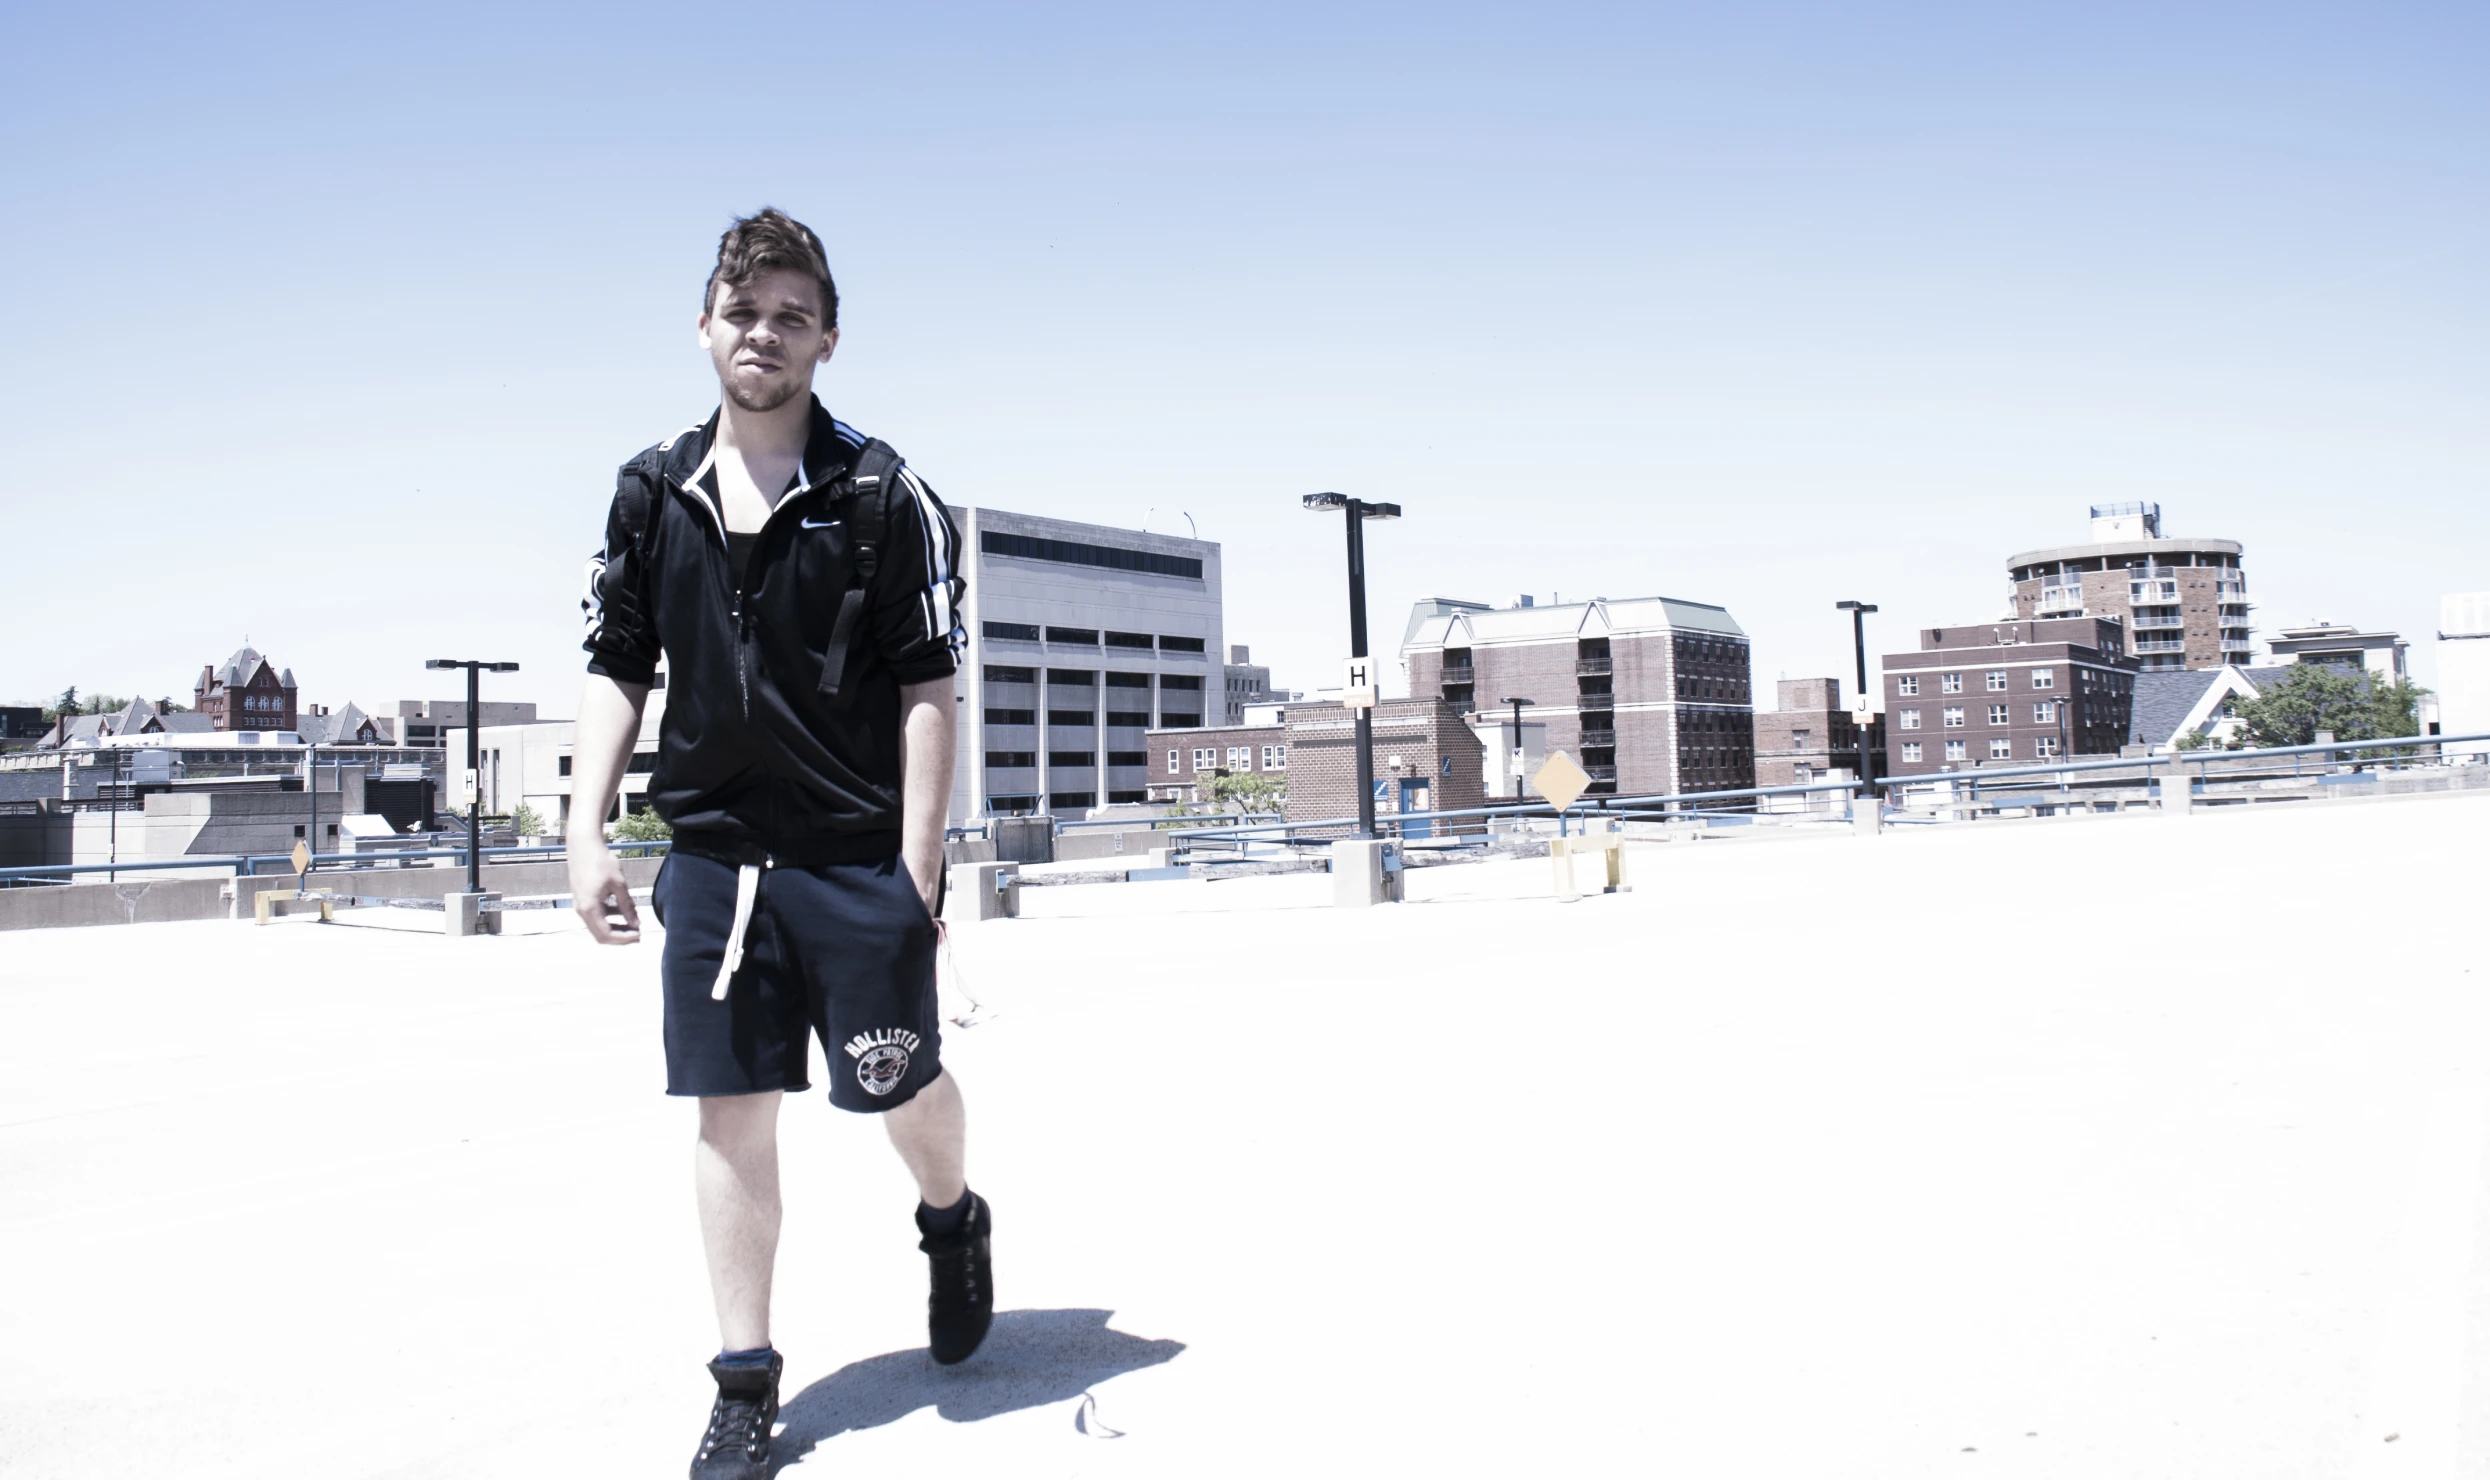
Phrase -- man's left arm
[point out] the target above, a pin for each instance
(928, 725)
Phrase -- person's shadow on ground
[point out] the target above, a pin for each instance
(1031, 1358)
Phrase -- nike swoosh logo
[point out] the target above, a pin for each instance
(822, 524)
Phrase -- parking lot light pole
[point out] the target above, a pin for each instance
(475, 802)
(1358, 511)
(1858, 636)
(1517, 742)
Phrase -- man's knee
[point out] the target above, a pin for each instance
(739, 1122)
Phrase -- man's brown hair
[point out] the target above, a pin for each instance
(767, 241)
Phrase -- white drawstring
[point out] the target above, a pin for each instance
(747, 888)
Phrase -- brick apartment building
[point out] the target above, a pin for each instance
(246, 692)
(2183, 602)
(1651, 695)
(1184, 761)
(2008, 693)
(1426, 759)
(1811, 736)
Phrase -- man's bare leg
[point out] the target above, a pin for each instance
(735, 1175)
(931, 1134)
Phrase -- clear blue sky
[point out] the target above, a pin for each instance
(329, 328)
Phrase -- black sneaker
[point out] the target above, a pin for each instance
(962, 1305)
(737, 1444)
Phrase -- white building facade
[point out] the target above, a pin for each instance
(1082, 638)
(2464, 665)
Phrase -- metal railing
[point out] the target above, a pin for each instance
(2263, 762)
(262, 865)
(1591, 667)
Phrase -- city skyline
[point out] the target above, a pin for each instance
(1763, 311)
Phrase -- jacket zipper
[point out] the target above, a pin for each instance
(735, 603)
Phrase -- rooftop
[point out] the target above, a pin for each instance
(2206, 1217)
(1598, 617)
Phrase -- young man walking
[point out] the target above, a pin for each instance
(799, 581)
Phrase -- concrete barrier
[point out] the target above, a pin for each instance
(973, 894)
(2176, 793)
(1361, 875)
(138, 901)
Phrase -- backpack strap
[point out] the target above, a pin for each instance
(866, 509)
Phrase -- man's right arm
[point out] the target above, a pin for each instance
(609, 728)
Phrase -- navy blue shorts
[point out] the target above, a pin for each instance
(845, 952)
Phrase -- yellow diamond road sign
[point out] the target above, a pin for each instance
(302, 857)
(1561, 781)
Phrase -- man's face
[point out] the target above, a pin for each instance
(765, 338)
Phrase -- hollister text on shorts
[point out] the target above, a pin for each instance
(882, 1058)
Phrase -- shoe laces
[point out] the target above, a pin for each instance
(736, 1423)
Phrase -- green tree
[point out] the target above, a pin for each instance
(2324, 696)
(640, 827)
(1248, 791)
(67, 703)
(526, 821)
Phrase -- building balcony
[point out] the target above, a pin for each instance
(1598, 734)
(2161, 645)
(1586, 667)
(1597, 701)
(2238, 645)
(1460, 673)
(2156, 622)
(2152, 593)
(1601, 773)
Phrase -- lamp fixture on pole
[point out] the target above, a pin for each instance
(1517, 742)
(1358, 511)
(1858, 635)
(475, 798)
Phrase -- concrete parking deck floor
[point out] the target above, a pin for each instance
(2125, 1147)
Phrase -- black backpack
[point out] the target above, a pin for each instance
(862, 502)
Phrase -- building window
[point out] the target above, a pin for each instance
(2046, 747)
(1114, 680)
(1169, 644)
(1007, 760)
(2001, 750)
(1011, 632)
(1800, 775)
(1076, 636)
(1951, 683)
(1275, 757)
(1190, 681)
(1910, 752)
(1999, 714)
(1076, 719)
(1997, 681)
(2044, 713)
(1799, 738)
(1011, 716)
(1910, 719)
(1907, 686)
(1954, 750)
(1129, 718)
(1114, 797)
(1954, 717)
(1175, 721)
(996, 674)
(2044, 678)
(1130, 640)
(1077, 759)
(1172, 769)
(1205, 759)
(1240, 757)
(1128, 758)
(1076, 799)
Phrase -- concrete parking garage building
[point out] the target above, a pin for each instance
(1082, 639)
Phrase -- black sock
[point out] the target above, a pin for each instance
(938, 1222)
(757, 1356)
